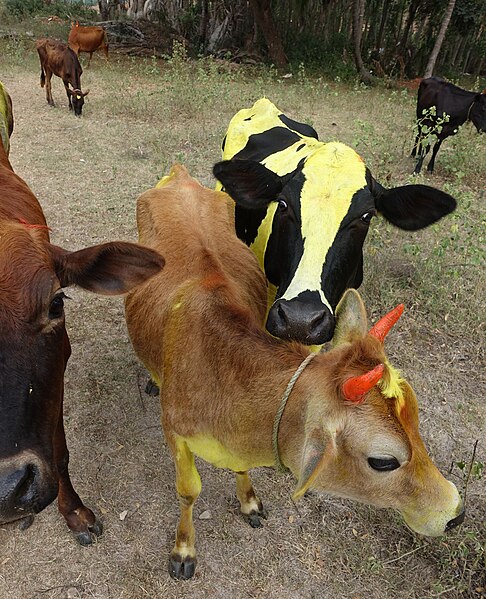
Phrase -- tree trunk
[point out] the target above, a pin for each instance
(263, 16)
(384, 16)
(358, 15)
(440, 38)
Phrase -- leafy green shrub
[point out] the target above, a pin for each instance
(21, 9)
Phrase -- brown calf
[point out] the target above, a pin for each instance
(34, 350)
(56, 58)
(87, 39)
(198, 327)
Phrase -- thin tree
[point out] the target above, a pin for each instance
(262, 12)
(440, 38)
(358, 17)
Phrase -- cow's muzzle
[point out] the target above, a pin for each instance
(309, 322)
(24, 491)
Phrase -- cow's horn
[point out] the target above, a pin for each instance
(355, 388)
(381, 329)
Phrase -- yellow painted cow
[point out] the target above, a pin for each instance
(350, 424)
(304, 207)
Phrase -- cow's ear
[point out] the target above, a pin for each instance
(249, 183)
(351, 320)
(108, 269)
(412, 207)
(319, 451)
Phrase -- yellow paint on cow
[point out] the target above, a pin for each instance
(391, 386)
(333, 173)
(4, 119)
(213, 451)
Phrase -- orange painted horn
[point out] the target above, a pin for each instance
(381, 329)
(355, 388)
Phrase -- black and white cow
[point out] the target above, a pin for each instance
(304, 207)
(451, 102)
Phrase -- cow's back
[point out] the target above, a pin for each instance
(193, 227)
(86, 39)
(6, 118)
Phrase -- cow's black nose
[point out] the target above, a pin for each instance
(16, 489)
(300, 320)
(456, 521)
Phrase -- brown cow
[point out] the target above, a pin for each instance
(350, 427)
(87, 39)
(56, 58)
(34, 350)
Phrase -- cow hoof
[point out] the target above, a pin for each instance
(87, 537)
(151, 388)
(255, 519)
(26, 522)
(182, 568)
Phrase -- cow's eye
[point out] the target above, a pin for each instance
(56, 309)
(282, 204)
(367, 216)
(384, 464)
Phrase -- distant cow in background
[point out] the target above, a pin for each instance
(449, 101)
(87, 39)
(56, 58)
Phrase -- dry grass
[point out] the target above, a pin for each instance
(142, 115)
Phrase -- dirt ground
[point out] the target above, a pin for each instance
(87, 174)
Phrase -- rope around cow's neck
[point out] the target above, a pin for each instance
(469, 110)
(278, 416)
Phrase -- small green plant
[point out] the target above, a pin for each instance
(426, 130)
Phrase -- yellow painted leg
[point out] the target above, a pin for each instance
(251, 507)
(188, 484)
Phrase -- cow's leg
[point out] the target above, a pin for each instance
(250, 506)
(89, 59)
(79, 518)
(415, 146)
(430, 166)
(68, 94)
(105, 48)
(182, 563)
(50, 100)
(421, 153)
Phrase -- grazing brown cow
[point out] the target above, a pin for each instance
(56, 58)
(350, 426)
(34, 350)
(87, 39)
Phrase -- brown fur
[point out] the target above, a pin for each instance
(34, 350)
(57, 59)
(198, 327)
(87, 39)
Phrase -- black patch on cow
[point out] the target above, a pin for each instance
(343, 267)
(248, 118)
(301, 128)
(223, 143)
(247, 223)
(300, 147)
(285, 245)
(262, 145)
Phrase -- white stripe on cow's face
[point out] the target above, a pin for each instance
(332, 175)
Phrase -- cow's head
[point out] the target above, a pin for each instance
(77, 98)
(478, 112)
(34, 350)
(308, 229)
(365, 443)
